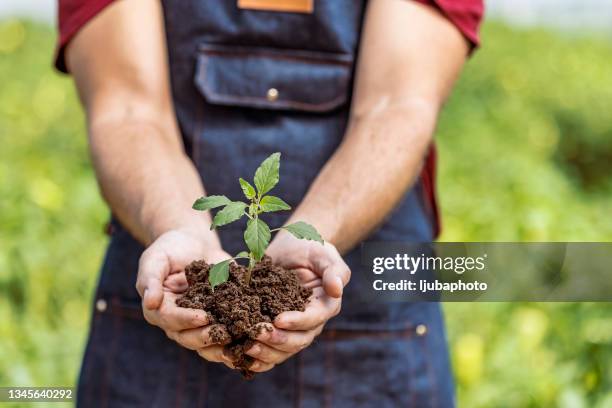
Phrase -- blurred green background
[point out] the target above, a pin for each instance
(526, 155)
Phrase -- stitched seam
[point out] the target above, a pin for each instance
(355, 334)
(202, 395)
(433, 395)
(281, 54)
(329, 350)
(180, 386)
(298, 381)
(105, 378)
(198, 127)
(261, 102)
(117, 309)
(411, 374)
(96, 322)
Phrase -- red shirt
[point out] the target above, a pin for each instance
(466, 15)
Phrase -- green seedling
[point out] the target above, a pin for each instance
(257, 234)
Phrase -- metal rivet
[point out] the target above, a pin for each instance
(101, 305)
(272, 94)
(421, 330)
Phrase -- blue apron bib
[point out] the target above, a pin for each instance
(245, 84)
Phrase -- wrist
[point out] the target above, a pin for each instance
(324, 223)
(202, 234)
(195, 225)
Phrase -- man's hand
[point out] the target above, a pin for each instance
(318, 266)
(161, 279)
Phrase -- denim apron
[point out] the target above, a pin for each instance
(245, 84)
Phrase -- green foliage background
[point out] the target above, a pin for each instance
(526, 154)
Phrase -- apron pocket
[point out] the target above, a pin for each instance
(277, 79)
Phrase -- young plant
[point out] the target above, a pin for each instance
(257, 234)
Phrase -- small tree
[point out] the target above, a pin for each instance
(257, 234)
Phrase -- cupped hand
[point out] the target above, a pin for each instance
(161, 280)
(318, 266)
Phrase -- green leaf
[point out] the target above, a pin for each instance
(207, 203)
(230, 213)
(266, 175)
(247, 189)
(257, 237)
(219, 273)
(243, 254)
(302, 230)
(271, 204)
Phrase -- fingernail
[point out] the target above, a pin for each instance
(255, 349)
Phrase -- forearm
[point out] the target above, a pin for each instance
(401, 84)
(147, 180)
(376, 164)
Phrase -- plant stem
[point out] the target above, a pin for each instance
(254, 217)
(247, 278)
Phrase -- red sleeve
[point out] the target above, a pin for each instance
(466, 15)
(72, 15)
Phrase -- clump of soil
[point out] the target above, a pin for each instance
(241, 307)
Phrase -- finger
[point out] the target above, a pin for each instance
(260, 366)
(335, 277)
(215, 354)
(267, 354)
(329, 264)
(171, 317)
(153, 268)
(305, 275)
(313, 284)
(195, 339)
(320, 309)
(176, 282)
(288, 341)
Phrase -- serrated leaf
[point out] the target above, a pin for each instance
(210, 202)
(230, 213)
(271, 204)
(219, 273)
(303, 230)
(257, 237)
(266, 175)
(243, 254)
(247, 189)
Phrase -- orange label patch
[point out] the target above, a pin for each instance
(291, 6)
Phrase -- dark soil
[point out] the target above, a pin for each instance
(240, 307)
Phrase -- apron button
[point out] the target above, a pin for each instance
(101, 305)
(421, 330)
(272, 94)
